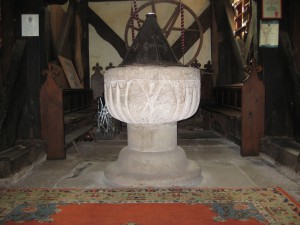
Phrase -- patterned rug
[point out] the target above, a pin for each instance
(147, 206)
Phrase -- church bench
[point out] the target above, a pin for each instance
(224, 115)
(78, 113)
(238, 112)
(66, 114)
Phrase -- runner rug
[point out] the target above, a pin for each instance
(147, 206)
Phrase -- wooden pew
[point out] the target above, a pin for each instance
(66, 114)
(238, 111)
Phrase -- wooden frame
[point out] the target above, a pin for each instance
(271, 9)
(30, 25)
(269, 33)
(70, 72)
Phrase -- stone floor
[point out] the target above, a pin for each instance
(219, 159)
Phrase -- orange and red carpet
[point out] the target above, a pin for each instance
(147, 206)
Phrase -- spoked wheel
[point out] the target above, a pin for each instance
(170, 23)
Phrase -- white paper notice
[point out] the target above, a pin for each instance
(271, 9)
(269, 34)
(30, 25)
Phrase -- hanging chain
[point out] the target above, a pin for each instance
(134, 16)
(182, 29)
(132, 23)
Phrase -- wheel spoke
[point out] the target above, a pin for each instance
(153, 6)
(168, 27)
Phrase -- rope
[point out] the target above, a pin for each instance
(134, 16)
(182, 29)
(136, 13)
(132, 23)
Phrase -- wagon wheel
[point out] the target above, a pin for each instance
(169, 24)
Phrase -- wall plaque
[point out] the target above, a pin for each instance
(269, 33)
(30, 25)
(271, 9)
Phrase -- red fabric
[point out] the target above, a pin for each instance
(136, 214)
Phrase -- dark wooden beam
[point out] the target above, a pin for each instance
(35, 57)
(295, 77)
(190, 36)
(237, 44)
(12, 101)
(214, 42)
(251, 44)
(294, 30)
(277, 96)
(85, 41)
(64, 37)
(106, 32)
(255, 29)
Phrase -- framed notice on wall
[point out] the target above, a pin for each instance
(271, 9)
(269, 33)
(30, 25)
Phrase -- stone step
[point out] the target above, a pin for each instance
(20, 156)
(283, 150)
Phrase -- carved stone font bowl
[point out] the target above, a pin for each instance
(152, 94)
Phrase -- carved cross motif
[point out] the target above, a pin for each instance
(97, 81)
(109, 66)
(208, 66)
(196, 64)
(51, 71)
(253, 67)
(97, 68)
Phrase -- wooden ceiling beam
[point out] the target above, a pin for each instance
(106, 32)
(65, 32)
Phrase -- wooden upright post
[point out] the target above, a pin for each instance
(253, 111)
(52, 118)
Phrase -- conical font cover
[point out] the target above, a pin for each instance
(150, 46)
